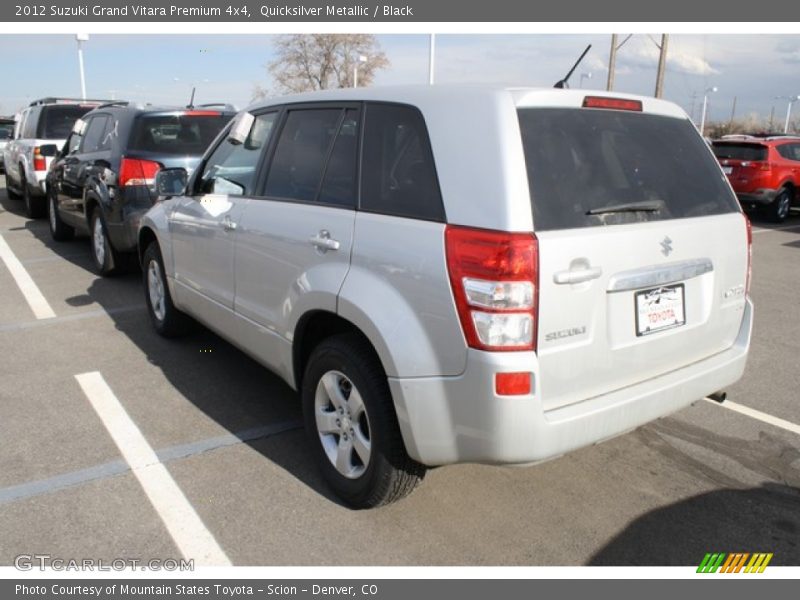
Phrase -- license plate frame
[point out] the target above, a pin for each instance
(659, 309)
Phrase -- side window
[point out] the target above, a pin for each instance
(110, 132)
(93, 135)
(20, 125)
(795, 155)
(231, 168)
(786, 151)
(300, 155)
(73, 141)
(339, 182)
(398, 176)
(29, 126)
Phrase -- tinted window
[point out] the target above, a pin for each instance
(339, 182)
(231, 168)
(73, 141)
(738, 151)
(93, 136)
(302, 148)
(583, 162)
(28, 130)
(6, 131)
(57, 120)
(398, 174)
(182, 134)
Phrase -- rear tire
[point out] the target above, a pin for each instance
(10, 192)
(103, 255)
(167, 320)
(778, 209)
(34, 205)
(60, 231)
(352, 426)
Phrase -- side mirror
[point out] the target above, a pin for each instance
(48, 150)
(171, 182)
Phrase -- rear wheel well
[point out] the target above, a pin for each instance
(314, 327)
(89, 206)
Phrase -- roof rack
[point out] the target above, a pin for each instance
(121, 103)
(56, 100)
(224, 105)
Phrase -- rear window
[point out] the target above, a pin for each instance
(177, 134)
(56, 120)
(589, 167)
(738, 151)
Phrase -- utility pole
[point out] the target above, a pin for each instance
(733, 111)
(612, 62)
(662, 65)
(772, 119)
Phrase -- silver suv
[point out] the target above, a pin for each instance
(459, 274)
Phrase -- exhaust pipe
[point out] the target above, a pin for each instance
(719, 396)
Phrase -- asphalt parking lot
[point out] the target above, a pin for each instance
(228, 433)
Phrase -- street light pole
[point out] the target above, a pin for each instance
(792, 100)
(431, 57)
(360, 59)
(705, 107)
(80, 38)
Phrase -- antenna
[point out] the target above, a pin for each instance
(191, 100)
(564, 83)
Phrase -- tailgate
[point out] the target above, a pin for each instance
(649, 311)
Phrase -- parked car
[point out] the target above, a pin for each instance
(763, 170)
(6, 133)
(40, 130)
(102, 182)
(454, 274)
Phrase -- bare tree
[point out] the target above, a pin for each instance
(320, 61)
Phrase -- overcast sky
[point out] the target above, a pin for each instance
(754, 69)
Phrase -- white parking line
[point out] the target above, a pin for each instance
(183, 523)
(38, 303)
(763, 229)
(757, 414)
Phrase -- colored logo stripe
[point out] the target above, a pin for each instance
(734, 562)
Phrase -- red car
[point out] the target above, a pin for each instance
(763, 170)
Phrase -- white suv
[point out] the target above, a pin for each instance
(40, 132)
(460, 274)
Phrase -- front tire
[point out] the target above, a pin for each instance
(352, 426)
(59, 230)
(778, 209)
(167, 320)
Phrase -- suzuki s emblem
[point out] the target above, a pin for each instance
(666, 246)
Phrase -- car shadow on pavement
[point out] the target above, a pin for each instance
(761, 519)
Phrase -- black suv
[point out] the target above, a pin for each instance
(102, 180)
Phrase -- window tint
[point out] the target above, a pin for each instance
(6, 131)
(73, 141)
(398, 174)
(110, 133)
(57, 120)
(181, 134)
(29, 125)
(789, 151)
(339, 182)
(231, 168)
(296, 167)
(738, 151)
(583, 162)
(93, 136)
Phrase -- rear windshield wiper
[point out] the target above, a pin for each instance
(646, 206)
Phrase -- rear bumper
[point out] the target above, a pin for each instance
(761, 197)
(460, 419)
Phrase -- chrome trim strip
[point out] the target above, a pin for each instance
(660, 275)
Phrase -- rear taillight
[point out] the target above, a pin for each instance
(39, 161)
(758, 165)
(495, 279)
(749, 254)
(133, 171)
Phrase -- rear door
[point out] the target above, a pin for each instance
(294, 241)
(643, 252)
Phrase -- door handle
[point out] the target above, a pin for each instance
(323, 241)
(228, 224)
(577, 276)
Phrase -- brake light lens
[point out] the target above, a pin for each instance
(494, 278)
(612, 103)
(749, 254)
(133, 171)
(202, 113)
(39, 161)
